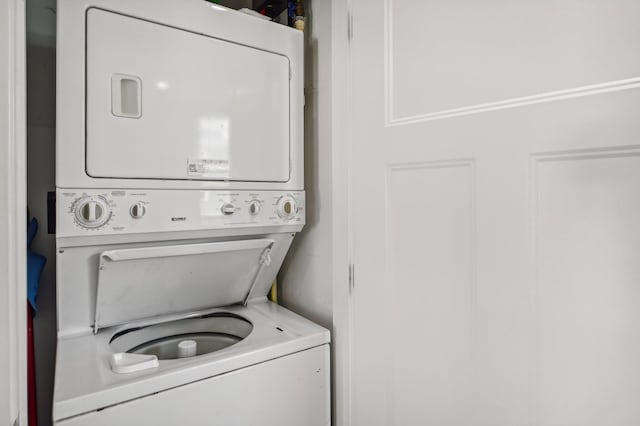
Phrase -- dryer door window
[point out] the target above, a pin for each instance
(164, 103)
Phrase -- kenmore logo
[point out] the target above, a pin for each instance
(178, 219)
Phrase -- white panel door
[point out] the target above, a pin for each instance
(163, 103)
(496, 197)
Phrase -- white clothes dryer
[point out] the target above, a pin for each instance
(177, 94)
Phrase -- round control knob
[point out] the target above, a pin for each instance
(254, 207)
(92, 212)
(287, 207)
(228, 209)
(138, 210)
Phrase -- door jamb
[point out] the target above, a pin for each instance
(13, 211)
(342, 209)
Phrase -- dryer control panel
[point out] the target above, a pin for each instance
(107, 212)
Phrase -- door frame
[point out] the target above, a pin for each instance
(341, 215)
(13, 208)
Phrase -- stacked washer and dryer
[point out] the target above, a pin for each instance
(179, 176)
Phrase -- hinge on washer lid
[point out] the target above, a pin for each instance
(265, 257)
(265, 260)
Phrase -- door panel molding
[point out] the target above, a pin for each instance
(584, 257)
(577, 92)
(437, 199)
(392, 118)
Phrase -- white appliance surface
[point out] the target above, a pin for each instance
(131, 279)
(172, 94)
(182, 105)
(85, 383)
(179, 176)
(86, 213)
(147, 253)
(146, 282)
(264, 394)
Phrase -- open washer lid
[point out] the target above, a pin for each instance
(148, 282)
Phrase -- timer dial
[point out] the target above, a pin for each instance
(92, 212)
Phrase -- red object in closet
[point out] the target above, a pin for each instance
(31, 369)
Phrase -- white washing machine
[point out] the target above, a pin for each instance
(167, 323)
(179, 191)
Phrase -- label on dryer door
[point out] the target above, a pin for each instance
(208, 167)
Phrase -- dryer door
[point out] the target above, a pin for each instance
(164, 103)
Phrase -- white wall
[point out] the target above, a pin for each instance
(306, 278)
(314, 279)
(12, 215)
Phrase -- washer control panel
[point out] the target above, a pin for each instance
(85, 212)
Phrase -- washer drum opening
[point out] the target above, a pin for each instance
(208, 333)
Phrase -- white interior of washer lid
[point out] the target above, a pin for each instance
(148, 282)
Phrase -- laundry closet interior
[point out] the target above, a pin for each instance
(345, 212)
(170, 208)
